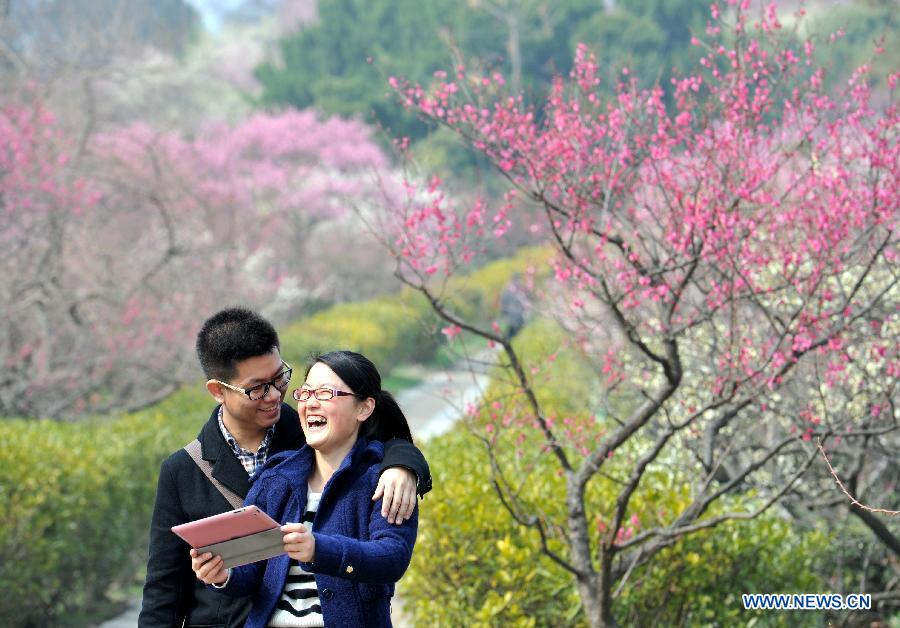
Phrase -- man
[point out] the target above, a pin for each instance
(513, 306)
(240, 355)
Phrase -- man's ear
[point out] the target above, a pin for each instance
(215, 389)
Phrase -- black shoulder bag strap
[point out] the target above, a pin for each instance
(194, 451)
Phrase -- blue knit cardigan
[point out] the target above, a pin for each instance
(358, 556)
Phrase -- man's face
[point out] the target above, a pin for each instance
(242, 414)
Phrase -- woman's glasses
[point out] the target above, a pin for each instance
(323, 393)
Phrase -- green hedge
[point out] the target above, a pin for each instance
(389, 331)
(77, 500)
(474, 566)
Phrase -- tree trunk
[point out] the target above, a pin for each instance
(594, 588)
(595, 591)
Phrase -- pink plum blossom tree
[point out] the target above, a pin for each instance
(110, 260)
(726, 258)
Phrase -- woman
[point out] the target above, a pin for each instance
(342, 557)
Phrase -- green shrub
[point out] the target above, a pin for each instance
(390, 331)
(699, 581)
(472, 566)
(77, 501)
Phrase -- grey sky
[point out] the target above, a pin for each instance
(213, 11)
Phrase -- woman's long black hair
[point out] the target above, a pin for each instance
(387, 420)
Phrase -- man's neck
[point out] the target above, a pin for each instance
(248, 439)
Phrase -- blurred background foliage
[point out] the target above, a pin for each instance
(77, 495)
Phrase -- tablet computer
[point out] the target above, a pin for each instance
(240, 536)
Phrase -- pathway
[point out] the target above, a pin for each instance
(431, 408)
(128, 618)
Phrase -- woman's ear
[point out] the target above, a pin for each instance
(366, 408)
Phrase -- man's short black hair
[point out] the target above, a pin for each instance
(230, 336)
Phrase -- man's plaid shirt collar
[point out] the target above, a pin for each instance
(251, 461)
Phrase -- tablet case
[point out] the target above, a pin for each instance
(248, 549)
(240, 536)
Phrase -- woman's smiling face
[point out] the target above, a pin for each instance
(331, 425)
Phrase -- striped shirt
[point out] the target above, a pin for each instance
(299, 605)
(252, 461)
